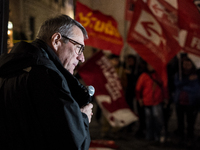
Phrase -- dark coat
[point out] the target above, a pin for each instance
(39, 101)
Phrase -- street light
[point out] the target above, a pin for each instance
(10, 36)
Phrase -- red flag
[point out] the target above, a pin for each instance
(154, 34)
(102, 29)
(100, 73)
(189, 16)
(189, 23)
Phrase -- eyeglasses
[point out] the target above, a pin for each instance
(79, 47)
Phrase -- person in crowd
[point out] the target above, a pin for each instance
(140, 133)
(116, 63)
(149, 93)
(43, 106)
(172, 68)
(186, 97)
(131, 80)
(130, 75)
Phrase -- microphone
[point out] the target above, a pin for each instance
(91, 90)
(83, 96)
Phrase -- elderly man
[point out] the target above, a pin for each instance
(43, 106)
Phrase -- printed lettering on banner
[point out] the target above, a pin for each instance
(102, 29)
(190, 42)
(108, 90)
(149, 32)
(166, 14)
(148, 27)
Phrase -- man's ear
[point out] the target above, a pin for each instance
(55, 41)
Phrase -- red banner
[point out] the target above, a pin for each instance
(154, 34)
(189, 16)
(189, 23)
(102, 29)
(100, 73)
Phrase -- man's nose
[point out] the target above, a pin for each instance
(81, 57)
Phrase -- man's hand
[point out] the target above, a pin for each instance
(88, 111)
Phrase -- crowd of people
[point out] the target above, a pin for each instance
(143, 86)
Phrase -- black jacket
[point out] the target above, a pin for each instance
(40, 101)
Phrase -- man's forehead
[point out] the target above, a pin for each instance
(77, 35)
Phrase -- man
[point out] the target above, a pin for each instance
(43, 106)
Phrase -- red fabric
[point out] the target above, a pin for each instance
(153, 34)
(189, 16)
(191, 43)
(102, 29)
(189, 23)
(129, 9)
(99, 72)
(148, 91)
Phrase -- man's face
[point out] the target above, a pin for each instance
(67, 54)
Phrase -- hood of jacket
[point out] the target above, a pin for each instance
(22, 56)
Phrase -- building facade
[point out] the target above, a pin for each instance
(27, 15)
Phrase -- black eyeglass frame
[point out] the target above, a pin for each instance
(75, 43)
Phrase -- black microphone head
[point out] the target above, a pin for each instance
(91, 90)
